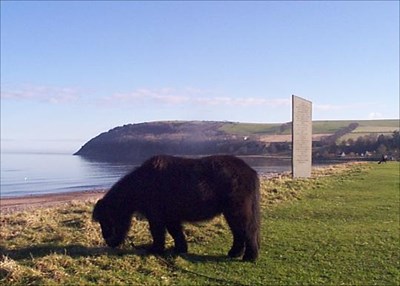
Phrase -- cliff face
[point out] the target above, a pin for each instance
(135, 142)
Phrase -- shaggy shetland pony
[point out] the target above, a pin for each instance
(168, 191)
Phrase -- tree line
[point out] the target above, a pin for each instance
(368, 146)
(364, 146)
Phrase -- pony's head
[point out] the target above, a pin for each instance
(114, 223)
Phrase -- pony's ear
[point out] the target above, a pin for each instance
(98, 209)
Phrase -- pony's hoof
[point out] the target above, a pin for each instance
(250, 257)
(234, 253)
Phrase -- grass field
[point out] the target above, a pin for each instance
(365, 127)
(340, 227)
(373, 128)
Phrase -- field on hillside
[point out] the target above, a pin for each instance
(282, 132)
(373, 128)
(339, 227)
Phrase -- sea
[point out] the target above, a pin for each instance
(29, 174)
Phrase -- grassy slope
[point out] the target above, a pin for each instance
(336, 229)
(364, 125)
(319, 127)
(373, 127)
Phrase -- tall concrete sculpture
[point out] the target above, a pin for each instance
(301, 137)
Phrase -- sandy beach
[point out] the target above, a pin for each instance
(9, 205)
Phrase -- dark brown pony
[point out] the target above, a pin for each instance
(168, 191)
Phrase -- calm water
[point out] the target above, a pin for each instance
(34, 174)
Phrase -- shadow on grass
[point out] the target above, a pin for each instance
(76, 251)
(142, 250)
(201, 258)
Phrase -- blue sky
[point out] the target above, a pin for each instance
(71, 70)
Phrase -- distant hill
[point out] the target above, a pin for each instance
(140, 141)
(134, 142)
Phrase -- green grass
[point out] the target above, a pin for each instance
(348, 232)
(372, 128)
(319, 127)
(380, 123)
(326, 127)
(339, 227)
(365, 126)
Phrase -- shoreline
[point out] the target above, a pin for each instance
(12, 204)
(26, 202)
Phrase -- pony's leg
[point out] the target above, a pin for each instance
(236, 227)
(252, 246)
(176, 231)
(252, 237)
(245, 232)
(157, 230)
